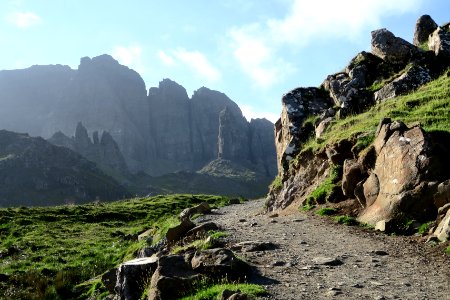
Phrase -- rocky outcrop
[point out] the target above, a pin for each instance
(390, 48)
(291, 130)
(409, 81)
(439, 43)
(397, 177)
(402, 161)
(35, 172)
(425, 26)
(104, 151)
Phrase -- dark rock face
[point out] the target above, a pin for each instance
(161, 132)
(104, 152)
(290, 130)
(45, 174)
(425, 26)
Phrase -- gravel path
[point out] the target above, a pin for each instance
(319, 259)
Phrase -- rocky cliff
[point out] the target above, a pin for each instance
(355, 139)
(103, 151)
(158, 132)
(35, 172)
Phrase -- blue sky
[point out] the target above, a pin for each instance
(252, 50)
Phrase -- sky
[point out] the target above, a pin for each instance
(254, 51)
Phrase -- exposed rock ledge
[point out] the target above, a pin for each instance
(404, 173)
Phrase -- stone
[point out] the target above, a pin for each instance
(239, 296)
(323, 125)
(402, 160)
(187, 213)
(439, 43)
(203, 228)
(442, 231)
(219, 263)
(133, 276)
(443, 209)
(172, 277)
(442, 195)
(387, 226)
(109, 280)
(425, 26)
(251, 246)
(371, 189)
(327, 261)
(146, 236)
(409, 81)
(390, 48)
(174, 234)
(351, 175)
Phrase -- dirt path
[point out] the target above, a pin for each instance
(365, 264)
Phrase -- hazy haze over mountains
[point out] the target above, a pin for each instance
(158, 132)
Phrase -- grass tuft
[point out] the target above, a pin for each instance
(326, 211)
(346, 220)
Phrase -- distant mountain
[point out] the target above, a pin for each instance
(35, 172)
(159, 132)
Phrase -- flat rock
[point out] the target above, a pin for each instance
(327, 261)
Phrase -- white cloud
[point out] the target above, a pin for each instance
(24, 19)
(341, 19)
(129, 56)
(256, 47)
(249, 113)
(256, 58)
(166, 59)
(198, 62)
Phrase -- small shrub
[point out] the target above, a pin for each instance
(310, 203)
(346, 220)
(326, 211)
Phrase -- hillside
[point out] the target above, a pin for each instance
(34, 172)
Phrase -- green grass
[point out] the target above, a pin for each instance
(326, 211)
(429, 105)
(276, 184)
(214, 291)
(346, 220)
(323, 191)
(448, 250)
(202, 244)
(60, 247)
(423, 229)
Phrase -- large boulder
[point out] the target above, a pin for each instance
(175, 233)
(400, 170)
(439, 43)
(425, 26)
(133, 276)
(187, 213)
(219, 263)
(390, 48)
(173, 276)
(415, 77)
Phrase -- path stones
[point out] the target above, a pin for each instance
(327, 261)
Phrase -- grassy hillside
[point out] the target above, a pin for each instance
(45, 252)
(429, 106)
